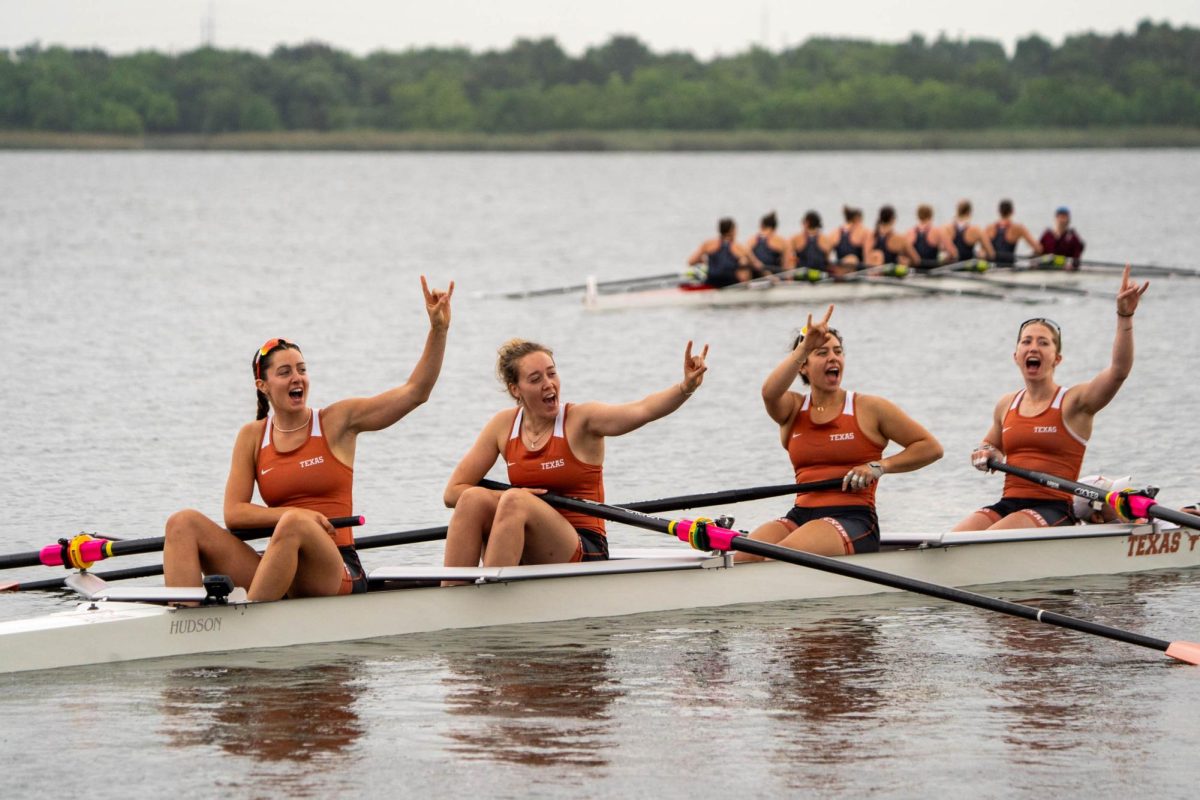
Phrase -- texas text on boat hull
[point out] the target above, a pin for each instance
(660, 580)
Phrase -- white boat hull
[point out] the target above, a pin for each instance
(99, 632)
(764, 293)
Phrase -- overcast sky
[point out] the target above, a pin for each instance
(703, 27)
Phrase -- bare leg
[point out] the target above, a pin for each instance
(301, 561)
(527, 530)
(978, 521)
(1019, 519)
(196, 546)
(816, 536)
(470, 525)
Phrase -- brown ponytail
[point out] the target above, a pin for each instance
(259, 365)
(510, 354)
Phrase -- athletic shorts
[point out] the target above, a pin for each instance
(858, 525)
(1045, 513)
(354, 578)
(593, 546)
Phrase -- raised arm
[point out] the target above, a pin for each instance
(603, 419)
(779, 401)
(1100, 390)
(355, 415)
(475, 465)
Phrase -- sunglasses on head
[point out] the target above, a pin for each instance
(1049, 323)
(269, 346)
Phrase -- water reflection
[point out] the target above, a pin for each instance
(535, 707)
(1054, 697)
(296, 714)
(829, 671)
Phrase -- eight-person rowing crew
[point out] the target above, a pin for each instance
(302, 459)
(812, 252)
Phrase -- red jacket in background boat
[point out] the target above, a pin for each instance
(1068, 244)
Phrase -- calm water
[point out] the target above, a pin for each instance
(135, 287)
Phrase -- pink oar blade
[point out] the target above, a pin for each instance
(1187, 652)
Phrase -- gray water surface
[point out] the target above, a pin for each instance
(134, 288)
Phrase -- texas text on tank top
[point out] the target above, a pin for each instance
(1043, 443)
(1005, 249)
(555, 467)
(309, 476)
(830, 450)
(771, 259)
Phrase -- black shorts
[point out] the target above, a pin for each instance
(858, 525)
(1045, 513)
(593, 546)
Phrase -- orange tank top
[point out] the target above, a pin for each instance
(1043, 443)
(308, 477)
(830, 450)
(556, 468)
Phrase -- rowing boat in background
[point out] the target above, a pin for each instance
(1020, 285)
(125, 624)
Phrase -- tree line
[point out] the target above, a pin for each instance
(1148, 77)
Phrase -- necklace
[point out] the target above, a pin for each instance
(532, 440)
(304, 424)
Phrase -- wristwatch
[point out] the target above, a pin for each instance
(877, 468)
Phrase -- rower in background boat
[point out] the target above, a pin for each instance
(302, 460)
(810, 247)
(547, 445)
(854, 244)
(771, 249)
(727, 261)
(930, 242)
(1044, 426)
(966, 236)
(1006, 233)
(1062, 239)
(891, 246)
(835, 433)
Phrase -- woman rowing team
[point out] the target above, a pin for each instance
(853, 245)
(302, 459)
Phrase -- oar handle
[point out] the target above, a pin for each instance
(84, 549)
(1128, 504)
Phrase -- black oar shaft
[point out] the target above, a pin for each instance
(711, 498)
(846, 569)
(1092, 493)
(841, 567)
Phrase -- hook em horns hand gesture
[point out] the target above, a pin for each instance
(437, 304)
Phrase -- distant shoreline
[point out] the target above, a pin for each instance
(619, 141)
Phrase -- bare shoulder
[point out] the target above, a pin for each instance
(874, 404)
(251, 431)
